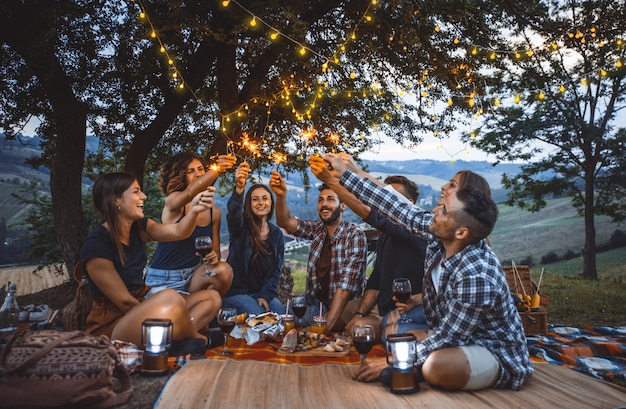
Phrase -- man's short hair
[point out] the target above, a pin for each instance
(411, 190)
(482, 210)
(324, 186)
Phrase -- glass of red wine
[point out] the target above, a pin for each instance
(204, 245)
(401, 288)
(298, 306)
(226, 319)
(363, 339)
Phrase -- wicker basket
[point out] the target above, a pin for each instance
(518, 278)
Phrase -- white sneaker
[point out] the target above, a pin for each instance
(40, 313)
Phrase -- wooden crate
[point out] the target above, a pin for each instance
(535, 322)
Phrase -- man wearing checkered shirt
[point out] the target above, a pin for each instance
(338, 255)
(476, 339)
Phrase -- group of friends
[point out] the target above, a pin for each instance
(460, 310)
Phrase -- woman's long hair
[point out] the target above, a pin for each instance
(173, 172)
(107, 188)
(472, 180)
(254, 223)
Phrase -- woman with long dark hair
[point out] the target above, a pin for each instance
(113, 257)
(176, 264)
(256, 249)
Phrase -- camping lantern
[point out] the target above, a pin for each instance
(156, 337)
(401, 355)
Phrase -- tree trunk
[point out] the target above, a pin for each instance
(66, 181)
(589, 251)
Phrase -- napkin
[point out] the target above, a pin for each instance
(250, 335)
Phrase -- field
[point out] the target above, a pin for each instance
(557, 228)
(30, 281)
(10, 206)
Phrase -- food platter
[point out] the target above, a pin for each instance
(311, 344)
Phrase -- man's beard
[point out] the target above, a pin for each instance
(336, 213)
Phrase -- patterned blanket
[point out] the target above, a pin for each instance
(596, 351)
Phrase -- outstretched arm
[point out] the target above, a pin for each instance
(283, 215)
(183, 229)
(175, 200)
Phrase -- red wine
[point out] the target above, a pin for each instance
(227, 326)
(363, 344)
(299, 310)
(402, 296)
(203, 251)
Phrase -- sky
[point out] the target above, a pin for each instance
(432, 148)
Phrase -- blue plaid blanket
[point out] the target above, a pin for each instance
(596, 351)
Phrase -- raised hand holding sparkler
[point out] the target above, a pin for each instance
(223, 163)
(241, 176)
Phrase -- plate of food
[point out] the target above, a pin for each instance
(312, 344)
(254, 328)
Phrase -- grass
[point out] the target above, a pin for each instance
(574, 301)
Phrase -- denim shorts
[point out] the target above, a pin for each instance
(176, 279)
(400, 323)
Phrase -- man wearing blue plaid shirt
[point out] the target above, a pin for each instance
(337, 259)
(476, 339)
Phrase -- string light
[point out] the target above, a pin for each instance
(475, 50)
(177, 77)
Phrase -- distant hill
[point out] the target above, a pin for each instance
(435, 173)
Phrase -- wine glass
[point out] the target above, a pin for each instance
(363, 339)
(298, 306)
(401, 288)
(204, 245)
(226, 318)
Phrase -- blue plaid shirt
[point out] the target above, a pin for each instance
(473, 305)
(348, 257)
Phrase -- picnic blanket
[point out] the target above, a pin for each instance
(596, 351)
(266, 352)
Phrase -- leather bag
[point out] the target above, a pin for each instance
(48, 368)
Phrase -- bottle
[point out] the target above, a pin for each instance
(10, 311)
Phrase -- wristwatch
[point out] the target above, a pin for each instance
(359, 313)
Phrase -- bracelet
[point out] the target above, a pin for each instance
(359, 313)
